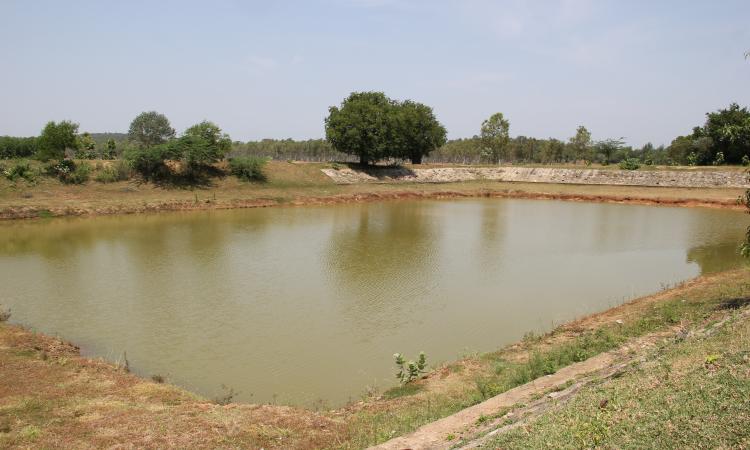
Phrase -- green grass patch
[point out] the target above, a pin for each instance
(400, 391)
(691, 394)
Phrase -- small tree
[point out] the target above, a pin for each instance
(418, 131)
(495, 136)
(111, 148)
(362, 126)
(149, 129)
(608, 148)
(411, 370)
(86, 146)
(56, 138)
(581, 144)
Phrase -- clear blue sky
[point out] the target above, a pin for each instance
(644, 70)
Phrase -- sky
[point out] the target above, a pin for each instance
(646, 71)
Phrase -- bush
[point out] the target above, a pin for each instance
(410, 371)
(119, 171)
(248, 168)
(630, 164)
(69, 172)
(20, 170)
(719, 159)
(150, 162)
(746, 161)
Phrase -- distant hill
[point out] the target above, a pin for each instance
(102, 138)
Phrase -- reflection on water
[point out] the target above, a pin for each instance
(301, 304)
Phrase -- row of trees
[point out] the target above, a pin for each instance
(369, 127)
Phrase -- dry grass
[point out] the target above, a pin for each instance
(304, 183)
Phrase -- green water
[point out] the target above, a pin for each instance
(295, 305)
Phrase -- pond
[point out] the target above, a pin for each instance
(306, 305)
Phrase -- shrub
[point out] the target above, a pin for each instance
(630, 164)
(119, 171)
(408, 372)
(20, 170)
(746, 160)
(150, 162)
(248, 168)
(69, 172)
(719, 159)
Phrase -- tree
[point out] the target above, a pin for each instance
(201, 145)
(494, 135)
(56, 138)
(86, 146)
(219, 142)
(581, 144)
(729, 129)
(553, 150)
(111, 147)
(362, 126)
(608, 148)
(149, 129)
(418, 133)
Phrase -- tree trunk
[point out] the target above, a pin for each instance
(416, 159)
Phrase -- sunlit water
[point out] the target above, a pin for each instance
(295, 305)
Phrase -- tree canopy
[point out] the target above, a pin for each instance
(56, 138)
(150, 128)
(418, 131)
(362, 126)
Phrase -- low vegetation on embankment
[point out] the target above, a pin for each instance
(295, 183)
(686, 394)
(50, 396)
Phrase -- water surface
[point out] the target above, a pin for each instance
(295, 305)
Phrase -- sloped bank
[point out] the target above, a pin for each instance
(656, 178)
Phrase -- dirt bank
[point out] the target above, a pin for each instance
(306, 184)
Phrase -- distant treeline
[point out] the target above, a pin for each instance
(723, 139)
(317, 150)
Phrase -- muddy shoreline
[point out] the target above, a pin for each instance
(31, 212)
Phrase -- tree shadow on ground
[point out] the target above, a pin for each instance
(382, 172)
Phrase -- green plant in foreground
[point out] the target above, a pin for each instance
(410, 371)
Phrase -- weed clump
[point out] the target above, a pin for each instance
(20, 170)
(119, 171)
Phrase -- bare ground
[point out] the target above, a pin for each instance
(291, 184)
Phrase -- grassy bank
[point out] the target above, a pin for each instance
(686, 394)
(304, 183)
(50, 396)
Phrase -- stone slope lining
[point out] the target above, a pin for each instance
(662, 178)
